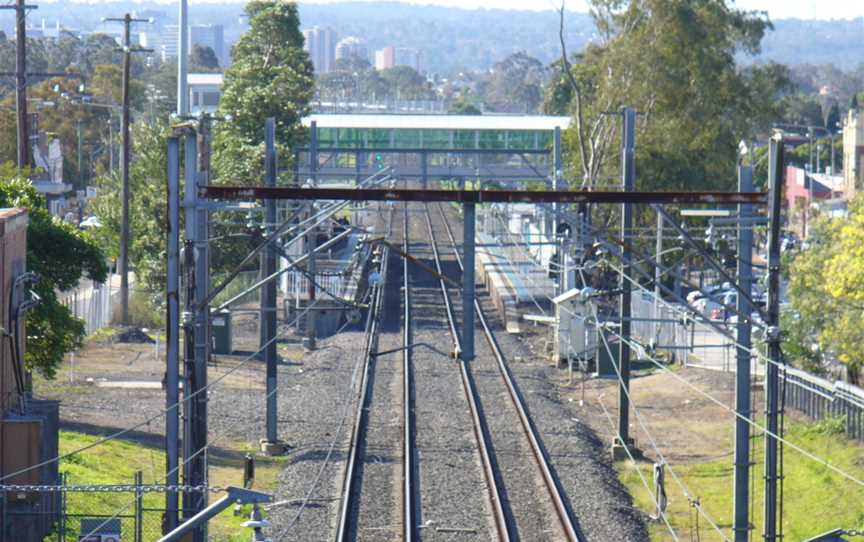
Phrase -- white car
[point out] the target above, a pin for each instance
(90, 222)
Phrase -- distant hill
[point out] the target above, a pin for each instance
(796, 41)
(451, 39)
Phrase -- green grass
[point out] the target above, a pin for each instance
(116, 462)
(816, 498)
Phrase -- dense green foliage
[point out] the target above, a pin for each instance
(826, 284)
(148, 206)
(61, 255)
(271, 76)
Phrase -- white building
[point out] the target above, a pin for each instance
(205, 90)
(169, 42)
(352, 47)
(385, 58)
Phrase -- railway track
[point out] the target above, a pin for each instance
(480, 432)
(510, 510)
(506, 520)
(364, 445)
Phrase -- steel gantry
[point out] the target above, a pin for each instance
(206, 195)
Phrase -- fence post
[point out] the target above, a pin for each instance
(61, 510)
(139, 506)
(3, 524)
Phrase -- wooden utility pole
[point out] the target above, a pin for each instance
(21, 82)
(127, 21)
(21, 85)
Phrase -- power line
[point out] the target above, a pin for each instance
(756, 425)
(119, 433)
(625, 389)
(639, 472)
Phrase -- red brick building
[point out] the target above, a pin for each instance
(28, 427)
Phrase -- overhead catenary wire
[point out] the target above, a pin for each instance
(119, 433)
(203, 449)
(754, 424)
(685, 490)
(663, 515)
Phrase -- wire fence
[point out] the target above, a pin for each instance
(697, 344)
(92, 302)
(78, 510)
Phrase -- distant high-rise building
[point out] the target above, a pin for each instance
(320, 43)
(385, 58)
(168, 47)
(405, 56)
(352, 47)
(210, 35)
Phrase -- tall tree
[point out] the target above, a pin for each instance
(271, 76)
(405, 83)
(203, 58)
(516, 84)
(148, 212)
(61, 255)
(675, 63)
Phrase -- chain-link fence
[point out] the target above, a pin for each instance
(74, 512)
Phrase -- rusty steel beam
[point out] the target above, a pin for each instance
(473, 196)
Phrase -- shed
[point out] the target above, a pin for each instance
(575, 337)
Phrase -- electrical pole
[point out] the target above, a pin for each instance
(22, 120)
(563, 282)
(629, 181)
(772, 374)
(741, 523)
(21, 85)
(172, 337)
(270, 444)
(655, 312)
(311, 241)
(127, 21)
(80, 170)
(196, 323)
(182, 60)
(468, 234)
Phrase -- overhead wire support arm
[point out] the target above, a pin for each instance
(476, 196)
(708, 258)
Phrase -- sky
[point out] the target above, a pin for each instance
(777, 9)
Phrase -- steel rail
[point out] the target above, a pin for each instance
(345, 527)
(493, 493)
(567, 523)
(409, 520)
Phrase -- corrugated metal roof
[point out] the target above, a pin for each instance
(439, 122)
